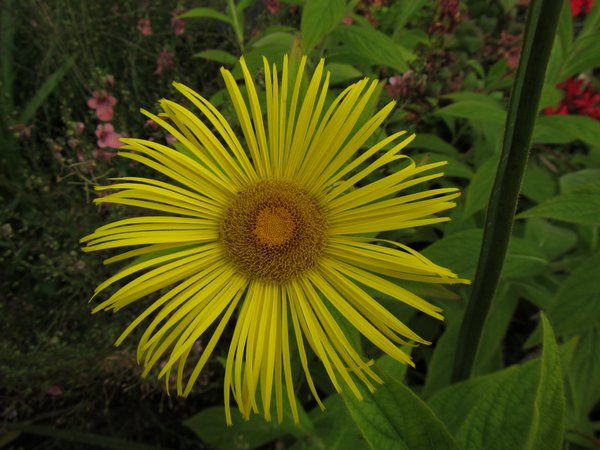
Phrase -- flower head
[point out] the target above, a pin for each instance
(271, 229)
(103, 103)
(107, 137)
(144, 26)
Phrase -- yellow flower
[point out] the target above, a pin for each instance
(271, 230)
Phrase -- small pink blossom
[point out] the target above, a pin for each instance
(347, 20)
(151, 123)
(144, 26)
(107, 137)
(103, 103)
(177, 24)
(79, 128)
(170, 139)
(55, 390)
(272, 6)
(21, 130)
(104, 155)
(165, 59)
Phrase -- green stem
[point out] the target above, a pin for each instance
(542, 19)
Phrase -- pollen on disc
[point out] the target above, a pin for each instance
(274, 230)
(274, 226)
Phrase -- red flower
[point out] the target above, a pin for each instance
(103, 103)
(272, 6)
(577, 6)
(580, 98)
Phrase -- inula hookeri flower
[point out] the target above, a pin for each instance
(267, 234)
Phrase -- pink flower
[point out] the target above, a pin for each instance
(79, 127)
(103, 104)
(55, 390)
(177, 24)
(347, 20)
(165, 59)
(272, 6)
(107, 137)
(144, 26)
(151, 123)
(169, 138)
(104, 155)
(21, 130)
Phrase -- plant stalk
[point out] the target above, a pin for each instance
(540, 29)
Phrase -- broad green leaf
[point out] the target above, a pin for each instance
(334, 429)
(592, 21)
(461, 251)
(478, 192)
(318, 19)
(574, 309)
(475, 110)
(45, 90)
(370, 46)
(576, 180)
(521, 407)
(272, 46)
(210, 426)
(395, 418)
(219, 56)
(558, 129)
(342, 72)
(552, 240)
(434, 143)
(403, 13)
(551, 96)
(583, 374)
(454, 168)
(538, 183)
(205, 13)
(581, 206)
(584, 55)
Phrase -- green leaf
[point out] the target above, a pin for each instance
(371, 46)
(318, 19)
(206, 13)
(404, 11)
(574, 309)
(45, 90)
(551, 96)
(538, 183)
(552, 240)
(91, 440)
(581, 206)
(395, 418)
(584, 55)
(558, 129)
(334, 429)
(478, 191)
(521, 407)
(341, 73)
(210, 426)
(433, 143)
(461, 251)
(576, 180)
(583, 374)
(219, 56)
(454, 168)
(475, 110)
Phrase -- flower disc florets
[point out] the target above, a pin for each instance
(274, 231)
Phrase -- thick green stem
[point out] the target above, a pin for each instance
(542, 19)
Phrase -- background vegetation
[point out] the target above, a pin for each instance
(73, 76)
